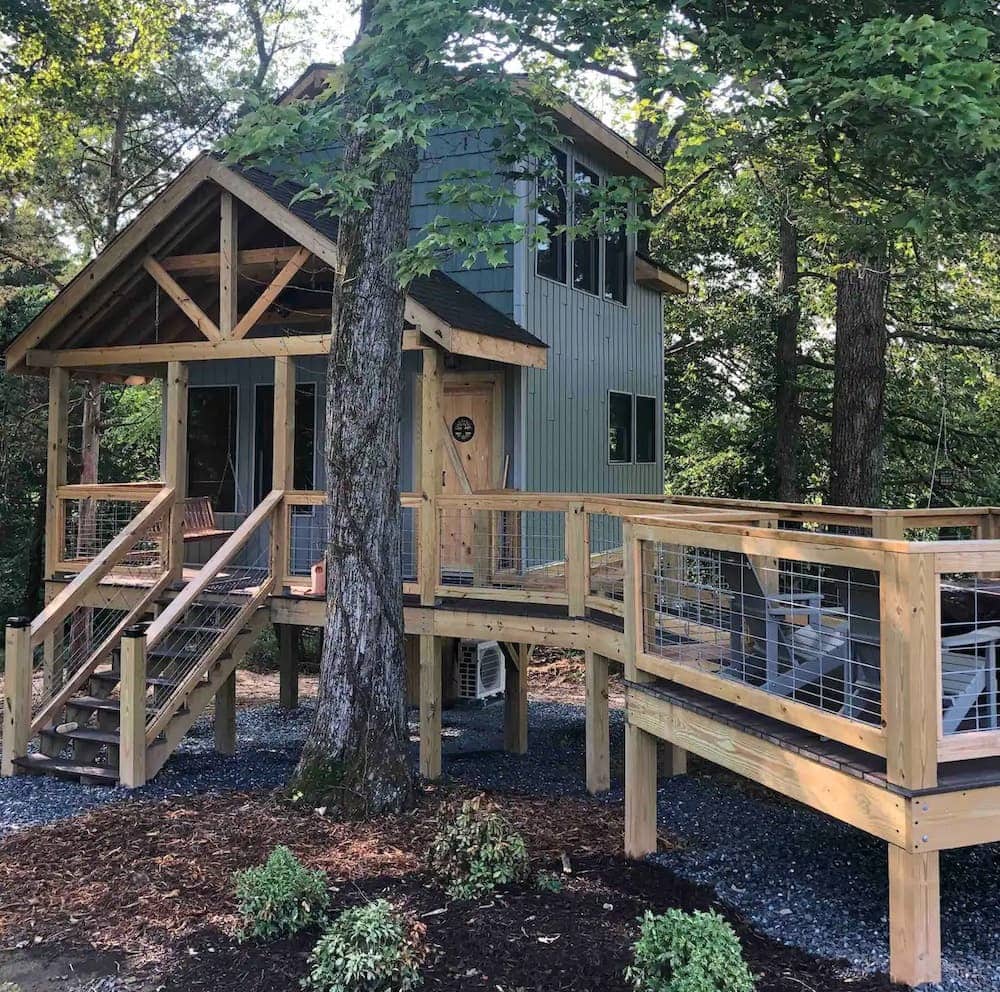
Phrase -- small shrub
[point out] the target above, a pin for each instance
(280, 897)
(366, 949)
(682, 952)
(548, 881)
(477, 851)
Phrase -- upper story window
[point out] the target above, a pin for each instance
(551, 256)
(586, 250)
(619, 427)
(590, 263)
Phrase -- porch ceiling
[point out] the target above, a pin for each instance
(154, 293)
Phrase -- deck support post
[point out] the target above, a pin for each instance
(175, 462)
(640, 792)
(17, 694)
(598, 742)
(224, 719)
(283, 472)
(430, 706)
(55, 476)
(429, 454)
(515, 704)
(132, 723)
(288, 665)
(673, 760)
(914, 916)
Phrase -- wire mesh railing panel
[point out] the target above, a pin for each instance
(607, 579)
(206, 625)
(90, 525)
(504, 549)
(970, 637)
(309, 535)
(797, 630)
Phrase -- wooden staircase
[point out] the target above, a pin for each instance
(137, 689)
(83, 743)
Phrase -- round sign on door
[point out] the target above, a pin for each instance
(463, 429)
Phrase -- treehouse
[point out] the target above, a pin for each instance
(846, 658)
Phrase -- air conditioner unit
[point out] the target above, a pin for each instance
(481, 670)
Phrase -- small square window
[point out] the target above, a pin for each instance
(645, 429)
(619, 428)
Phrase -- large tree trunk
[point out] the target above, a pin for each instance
(356, 757)
(785, 324)
(859, 382)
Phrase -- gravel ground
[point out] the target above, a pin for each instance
(799, 876)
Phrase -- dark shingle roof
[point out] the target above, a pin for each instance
(438, 292)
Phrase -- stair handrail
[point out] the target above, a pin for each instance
(110, 555)
(210, 570)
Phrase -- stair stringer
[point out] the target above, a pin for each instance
(158, 753)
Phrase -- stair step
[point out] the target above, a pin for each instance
(104, 705)
(112, 679)
(90, 734)
(39, 764)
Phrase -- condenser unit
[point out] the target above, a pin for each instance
(481, 670)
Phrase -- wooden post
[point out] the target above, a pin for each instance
(673, 760)
(640, 792)
(228, 275)
(175, 462)
(631, 601)
(914, 917)
(430, 706)
(16, 694)
(288, 666)
(224, 722)
(910, 652)
(515, 704)
(598, 744)
(132, 724)
(888, 526)
(58, 432)
(911, 707)
(283, 475)
(429, 560)
(577, 560)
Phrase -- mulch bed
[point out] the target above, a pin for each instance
(154, 880)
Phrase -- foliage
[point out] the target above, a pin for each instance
(366, 949)
(548, 881)
(688, 952)
(478, 850)
(280, 897)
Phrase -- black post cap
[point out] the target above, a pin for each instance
(136, 630)
(19, 623)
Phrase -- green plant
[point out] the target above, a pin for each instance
(366, 949)
(280, 897)
(688, 952)
(478, 850)
(548, 881)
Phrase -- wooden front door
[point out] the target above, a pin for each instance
(473, 452)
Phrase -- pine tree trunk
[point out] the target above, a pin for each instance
(859, 382)
(785, 324)
(356, 757)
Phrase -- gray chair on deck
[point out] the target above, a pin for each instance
(763, 630)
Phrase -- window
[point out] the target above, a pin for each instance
(616, 266)
(303, 473)
(645, 429)
(619, 427)
(211, 462)
(599, 264)
(550, 258)
(586, 250)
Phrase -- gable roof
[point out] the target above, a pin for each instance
(436, 305)
(574, 120)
